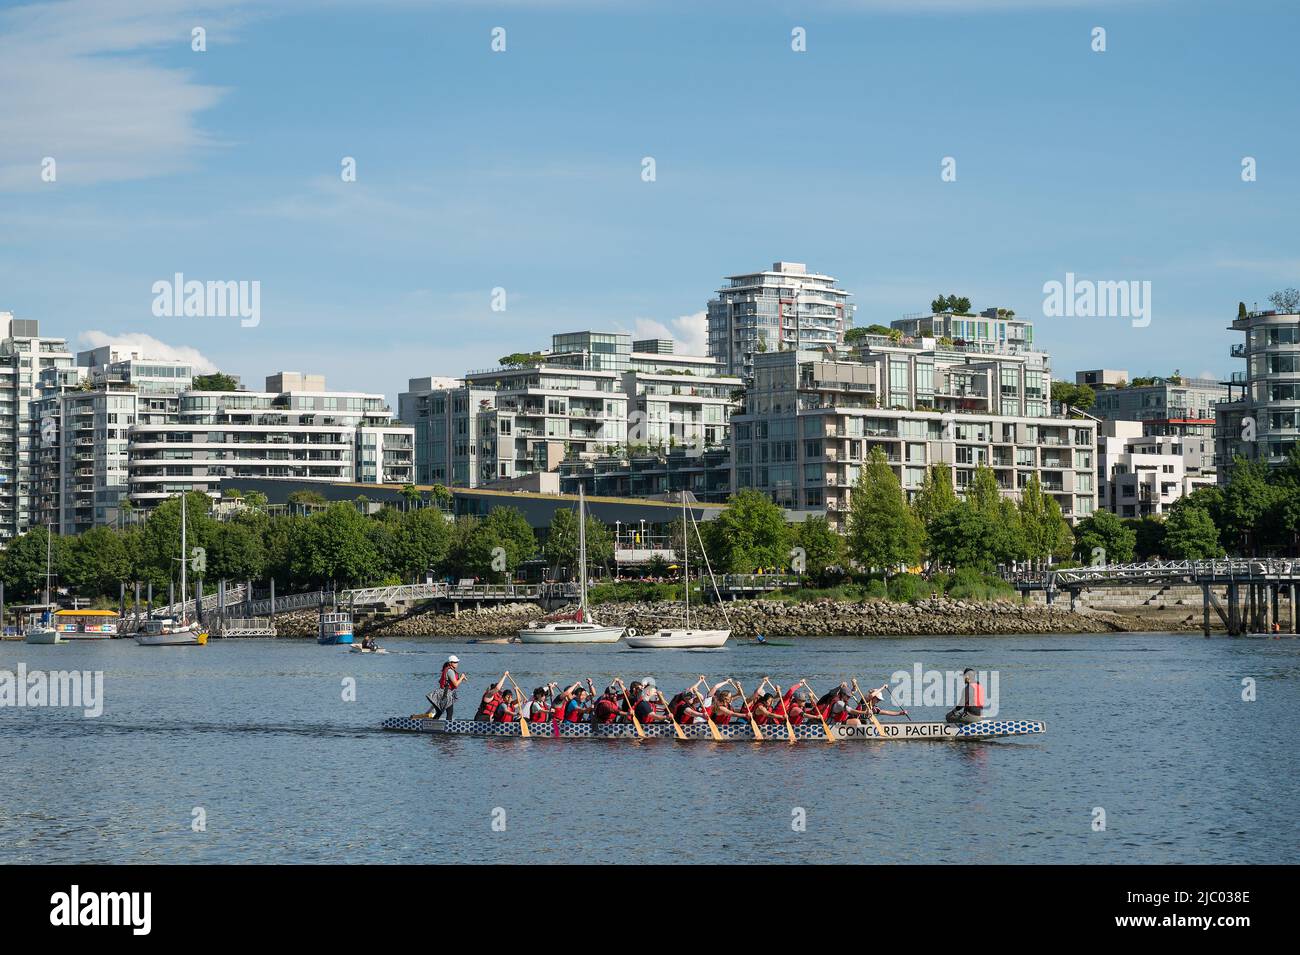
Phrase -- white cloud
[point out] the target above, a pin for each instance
(79, 87)
(149, 347)
(691, 332)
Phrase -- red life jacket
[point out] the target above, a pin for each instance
(538, 712)
(443, 680)
(606, 710)
(645, 711)
(974, 695)
(841, 717)
(557, 712)
(573, 714)
(720, 719)
(764, 719)
(796, 714)
(503, 714)
(489, 709)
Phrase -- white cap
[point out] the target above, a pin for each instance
(648, 681)
(453, 659)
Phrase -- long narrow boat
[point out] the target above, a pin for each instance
(984, 729)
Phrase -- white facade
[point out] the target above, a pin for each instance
(1142, 475)
(327, 436)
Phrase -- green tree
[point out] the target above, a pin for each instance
(216, 381)
(1150, 537)
(504, 528)
(94, 562)
(335, 548)
(959, 538)
(1106, 531)
(750, 533)
(24, 564)
(237, 552)
(160, 544)
(1190, 534)
(1247, 500)
(823, 548)
(883, 532)
(1046, 531)
(562, 541)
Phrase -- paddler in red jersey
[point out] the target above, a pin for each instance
(793, 703)
(725, 708)
(506, 711)
(539, 708)
(842, 710)
(688, 706)
(578, 709)
(971, 706)
(871, 703)
(650, 706)
(487, 706)
(607, 707)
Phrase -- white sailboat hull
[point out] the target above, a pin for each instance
(678, 639)
(571, 633)
(43, 637)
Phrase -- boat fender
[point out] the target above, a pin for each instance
(631, 631)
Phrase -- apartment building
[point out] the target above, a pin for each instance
(784, 308)
(652, 474)
(992, 330)
(307, 435)
(1141, 475)
(1260, 420)
(1177, 406)
(24, 356)
(811, 420)
(81, 427)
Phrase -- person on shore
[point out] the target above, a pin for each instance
(443, 700)
(971, 707)
(506, 710)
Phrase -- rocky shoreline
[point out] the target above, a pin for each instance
(768, 617)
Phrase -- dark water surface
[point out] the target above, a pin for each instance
(1151, 728)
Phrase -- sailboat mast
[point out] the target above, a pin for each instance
(183, 617)
(686, 556)
(49, 540)
(582, 551)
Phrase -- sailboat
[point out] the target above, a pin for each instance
(581, 627)
(684, 638)
(45, 633)
(167, 632)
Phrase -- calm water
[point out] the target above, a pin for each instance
(1149, 727)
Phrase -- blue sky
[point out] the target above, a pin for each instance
(522, 169)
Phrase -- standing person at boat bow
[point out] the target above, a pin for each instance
(443, 700)
(971, 707)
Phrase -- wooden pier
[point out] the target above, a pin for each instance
(1253, 588)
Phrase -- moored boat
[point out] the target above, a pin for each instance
(581, 627)
(43, 635)
(813, 732)
(686, 637)
(166, 632)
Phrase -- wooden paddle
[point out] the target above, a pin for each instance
(830, 738)
(870, 715)
(523, 723)
(785, 710)
(631, 711)
(749, 711)
(713, 727)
